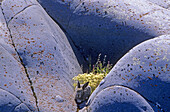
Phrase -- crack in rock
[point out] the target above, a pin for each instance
(21, 61)
(16, 97)
(20, 12)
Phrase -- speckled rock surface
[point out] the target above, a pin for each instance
(10, 102)
(13, 79)
(119, 99)
(107, 26)
(37, 62)
(162, 3)
(145, 69)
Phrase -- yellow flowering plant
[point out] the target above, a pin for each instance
(94, 77)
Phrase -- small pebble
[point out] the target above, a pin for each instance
(102, 82)
(59, 98)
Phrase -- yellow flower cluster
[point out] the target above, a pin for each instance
(93, 79)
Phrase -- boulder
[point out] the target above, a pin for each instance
(43, 63)
(10, 103)
(119, 99)
(14, 85)
(145, 71)
(106, 26)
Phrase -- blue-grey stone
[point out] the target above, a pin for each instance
(146, 70)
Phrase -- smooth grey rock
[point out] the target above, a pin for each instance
(146, 70)
(107, 26)
(59, 98)
(119, 99)
(14, 7)
(12, 74)
(14, 79)
(46, 54)
(8, 101)
(5, 39)
(22, 108)
(163, 3)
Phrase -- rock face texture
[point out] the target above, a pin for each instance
(36, 60)
(119, 99)
(37, 63)
(139, 80)
(162, 3)
(110, 27)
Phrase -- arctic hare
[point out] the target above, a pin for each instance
(82, 94)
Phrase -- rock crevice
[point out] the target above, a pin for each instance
(21, 61)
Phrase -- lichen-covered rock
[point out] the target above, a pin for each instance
(9, 102)
(14, 7)
(107, 26)
(13, 78)
(37, 60)
(5, 40)
(119, 99)
(145, 69)
(163, 3)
